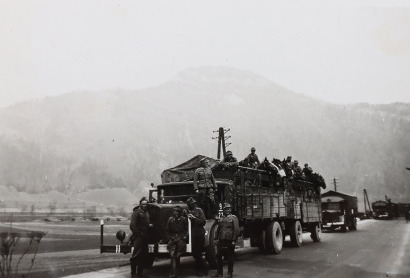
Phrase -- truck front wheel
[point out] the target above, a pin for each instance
(211, 249)
(274, 238)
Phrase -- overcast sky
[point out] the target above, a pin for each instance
(342, 52)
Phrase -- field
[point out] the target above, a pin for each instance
(69, 247)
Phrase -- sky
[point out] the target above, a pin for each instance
(337, 51)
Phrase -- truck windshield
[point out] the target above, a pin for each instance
(331, 206)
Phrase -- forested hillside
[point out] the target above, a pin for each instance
(91, 140)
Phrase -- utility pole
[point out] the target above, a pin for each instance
(335, 182)
(222, 140)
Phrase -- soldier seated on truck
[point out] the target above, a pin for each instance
(229, 160)
(299, 175)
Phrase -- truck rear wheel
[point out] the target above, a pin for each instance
(316, 232)
(211, 249)
(295, 233)
(274, 238)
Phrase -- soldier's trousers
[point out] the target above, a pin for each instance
(206, 201)
(225, 246)
(140, 250)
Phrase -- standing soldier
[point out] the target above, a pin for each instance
(198, 220)
(204, 186)
(176, 229)
(227, 234)
(139, 226)
(253, 159)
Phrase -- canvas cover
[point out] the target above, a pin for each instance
(186, 170)
(350, 199)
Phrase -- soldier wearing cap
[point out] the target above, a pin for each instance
(198, 220)
(307, 171)
(253, 159)
(299, 175)
(177, 227)
(227, 235)
(229, 160)
(204, 186)
(139, 226)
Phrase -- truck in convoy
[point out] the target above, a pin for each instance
(339, 210)
(384, 209)
(268, 207)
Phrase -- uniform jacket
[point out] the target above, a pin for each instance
(139, 222)
(203, 178)
(198, 223)
(229, 161)
(228, 228)
(252, 158)
(177, 228)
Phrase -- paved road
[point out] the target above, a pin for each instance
(379, 248)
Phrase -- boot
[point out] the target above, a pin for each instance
(205, 268)
(217, 274)
(174, 262)
(229, 275)
(140, 272)
(133, 267)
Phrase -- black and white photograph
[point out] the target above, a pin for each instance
(229, 138)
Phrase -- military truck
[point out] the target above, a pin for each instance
(384, 209)
(268, 207)
(339, 210)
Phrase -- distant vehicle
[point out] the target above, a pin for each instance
(339, 211)
(266, 210)
(384, 209)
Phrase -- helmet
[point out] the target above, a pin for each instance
(227, 205)
(120, 235)
(190, 201)
(229, 152)
(253, 149)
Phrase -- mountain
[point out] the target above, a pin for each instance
(83, 141)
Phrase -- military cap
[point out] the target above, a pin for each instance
(178, 208)
(253, 149)
(228, 152)
(190, 201)
(296, 162)
(227, 205)
(306, 165)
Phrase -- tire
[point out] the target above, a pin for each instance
(353, 224)
(295, 233)
(274, 238)
(262, 241)
(316, 232)
(211, 249)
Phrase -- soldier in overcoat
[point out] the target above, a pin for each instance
(177, 228)
(140, 224)
(198, 220)
(227, 235)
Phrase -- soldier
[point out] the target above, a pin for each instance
(227, 234)
(229, 160)
(140, 228)
(253, 159)
(298, 171)
(176, 229)
(204, 186)
(198, 220)
(307, 171)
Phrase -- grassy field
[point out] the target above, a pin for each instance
(69, 247)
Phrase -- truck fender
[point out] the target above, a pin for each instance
(208, 226)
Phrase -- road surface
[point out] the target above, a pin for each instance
(379, 248)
